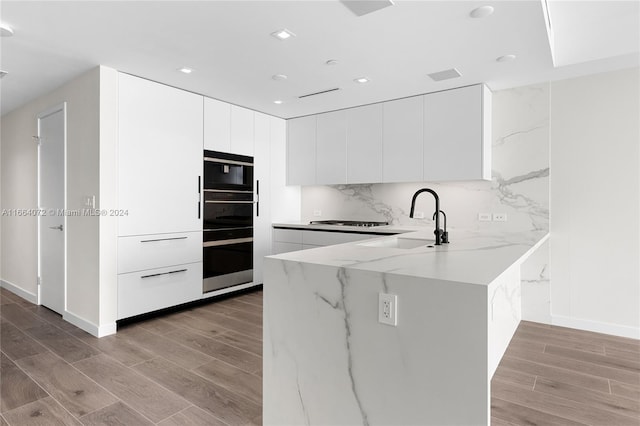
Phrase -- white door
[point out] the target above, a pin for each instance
(51, 201)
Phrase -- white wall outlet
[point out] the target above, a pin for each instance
(418, 215)
(484, 217)
(499, 217)
(317, 213)
(89, 201)
(388, 309)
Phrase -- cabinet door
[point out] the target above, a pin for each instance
(159, 158)
(262, 168)
(146, 291)
(285, 200)
(364, 144)
(402, 140)
(331, 148)
(242, 129)
(453, 134)
(301, 151)
(217, 125)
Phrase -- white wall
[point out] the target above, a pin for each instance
(84, 171)
(595, 201)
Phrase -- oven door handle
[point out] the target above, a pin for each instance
(227, 202)
(227, 242)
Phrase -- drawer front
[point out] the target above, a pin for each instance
(320, 238)
(144, 252)
(279, 247)
(288, 236)
(147, 291)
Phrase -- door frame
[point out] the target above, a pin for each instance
(44, 114)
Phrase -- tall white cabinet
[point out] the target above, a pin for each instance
(159, 158)
(160, 131)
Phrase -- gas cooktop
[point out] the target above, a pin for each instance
(367, 224)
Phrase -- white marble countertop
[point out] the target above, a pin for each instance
(471, 257)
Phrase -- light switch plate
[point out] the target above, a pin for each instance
(89, 201)
(484, 217)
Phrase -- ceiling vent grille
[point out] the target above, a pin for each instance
(364, 7)
(319, 93)
(445, 75)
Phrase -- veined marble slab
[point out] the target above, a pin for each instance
(328, 361)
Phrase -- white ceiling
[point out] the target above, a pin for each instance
(229, 46)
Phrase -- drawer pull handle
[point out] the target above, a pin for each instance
(163, 239)
(163, 273)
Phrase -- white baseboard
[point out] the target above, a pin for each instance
(33, 298)
(88, 326)
(596, 326)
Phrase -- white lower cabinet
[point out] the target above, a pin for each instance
(146, 291)
(287, 240)
(142, 252)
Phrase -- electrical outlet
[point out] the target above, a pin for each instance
(388, 309)
(418, 215)
(499, 217)
(484, 217)
(317, 213)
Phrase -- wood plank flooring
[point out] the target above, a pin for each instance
(203, 366)
(198, 366)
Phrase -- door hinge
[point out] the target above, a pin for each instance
(39, 281)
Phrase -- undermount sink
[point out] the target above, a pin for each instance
(399, 243)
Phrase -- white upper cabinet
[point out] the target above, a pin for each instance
(364, 144)
(443, 136)
(242, 129)
(159, 157)
(457, 143)
(301, 151)
(403, 140)
(331, 147)
(217, 125)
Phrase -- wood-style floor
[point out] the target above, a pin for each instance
(199, 366)
(203, 366)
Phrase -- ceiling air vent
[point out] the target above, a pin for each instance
(445, 75)
(3, 73)
(319, 93)
(364, 7)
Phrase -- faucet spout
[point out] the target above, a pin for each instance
(437, 231)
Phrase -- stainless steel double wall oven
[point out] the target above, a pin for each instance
(228, 220)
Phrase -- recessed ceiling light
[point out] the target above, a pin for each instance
(506, 58)
(5, 31)
(283, 34)
(332, 62)
(445, 75)
(279, 77)
(362, 80)
(278, 102)
(481, 12)
(185, 70)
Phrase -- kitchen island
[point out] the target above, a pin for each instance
(327, 359)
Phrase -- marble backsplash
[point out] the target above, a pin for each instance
(519, 188)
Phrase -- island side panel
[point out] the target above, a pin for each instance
(505, 313)
(328, 361)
